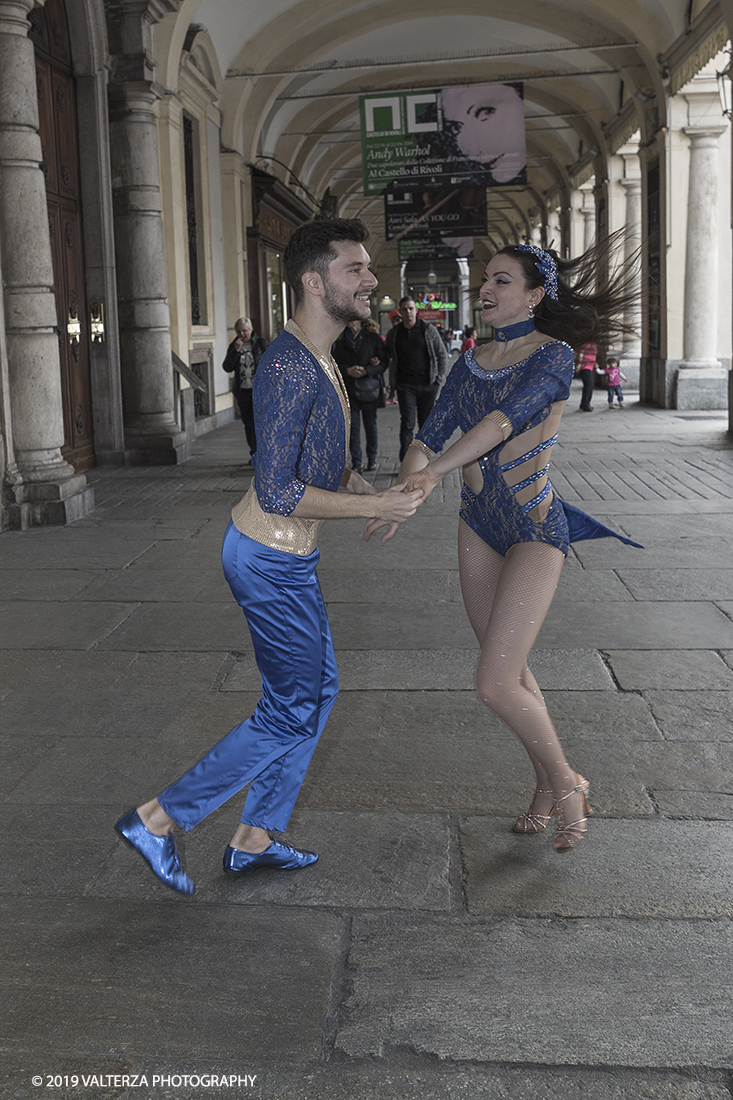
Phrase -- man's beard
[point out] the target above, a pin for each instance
(340, 310)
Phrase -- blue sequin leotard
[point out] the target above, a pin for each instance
(516, 502)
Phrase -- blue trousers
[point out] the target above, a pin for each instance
(281, 599)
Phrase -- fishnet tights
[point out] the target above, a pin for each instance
(507, 599)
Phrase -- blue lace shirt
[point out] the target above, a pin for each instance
(300, 410)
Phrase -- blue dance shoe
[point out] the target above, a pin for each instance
(280, 856)
(159, 852)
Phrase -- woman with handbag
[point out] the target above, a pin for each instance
(362, 359)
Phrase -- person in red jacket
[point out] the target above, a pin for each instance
(586, 365)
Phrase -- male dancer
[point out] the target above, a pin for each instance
(270, 557)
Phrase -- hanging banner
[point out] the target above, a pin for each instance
(469, 135)
(435, 212)
(419, 247)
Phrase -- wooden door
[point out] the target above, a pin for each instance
(59, 140)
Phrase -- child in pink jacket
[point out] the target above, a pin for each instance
(613, 375)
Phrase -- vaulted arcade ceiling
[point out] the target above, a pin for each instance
(594, 72)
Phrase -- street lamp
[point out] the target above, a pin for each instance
(724, 87)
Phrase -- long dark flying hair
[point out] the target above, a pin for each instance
(595, 292)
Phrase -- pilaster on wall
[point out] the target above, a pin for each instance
(236, 186)
(169, 112)
(39, 487)
(625, 213)
(152, 434)
(702, 380)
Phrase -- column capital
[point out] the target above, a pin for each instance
(130, 27)
(632, 183)
(709, 130)
(14, 16)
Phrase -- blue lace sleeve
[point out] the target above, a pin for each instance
(285, 389)
(551, 374)
(445, 416)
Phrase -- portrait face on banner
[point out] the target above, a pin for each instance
(467, 136)
(435, 211)
(488, 123)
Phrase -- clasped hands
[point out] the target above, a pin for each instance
(421, 481)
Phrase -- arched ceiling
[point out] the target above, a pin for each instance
(293, 71)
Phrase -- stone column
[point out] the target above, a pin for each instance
(630, 356)
(554, 232)
(152, 434)
(589, 225)
(42, 487)
(465, 316)
(701, 380)
(535, 235)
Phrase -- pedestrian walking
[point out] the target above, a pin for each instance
(362, 359)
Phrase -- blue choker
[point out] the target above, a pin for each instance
(511, 332)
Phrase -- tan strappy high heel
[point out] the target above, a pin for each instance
(569, 834)
(531, 823)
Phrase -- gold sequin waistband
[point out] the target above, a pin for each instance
(287, 533)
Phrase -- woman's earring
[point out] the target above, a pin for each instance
(531, 310)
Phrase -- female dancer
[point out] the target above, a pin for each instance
(508, 397)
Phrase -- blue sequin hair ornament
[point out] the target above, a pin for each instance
(545, 265)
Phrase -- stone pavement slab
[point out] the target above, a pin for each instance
(170, 979)
(678, 584)
(602, 716)
(183, 670)
(369, 626)
(688, 553)
(655, 869)
(637, 625)
(586, 586)
(441, 669)
(626, 784)
(57, 853)
(180, 626)
(47, 669)
(201, 555)
(599, 1009)
(404, 588)
(69, 548)
(108, 771)
(148, 585)
(695, 805)
(467, 761)
(44, 584)
(429, 543)
(693, 715)
(675, 669)
(387, 861)
(184, 1079)
(174, 526)
(46, 625)
(18, 757)
(114, 712)
(674, 529)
